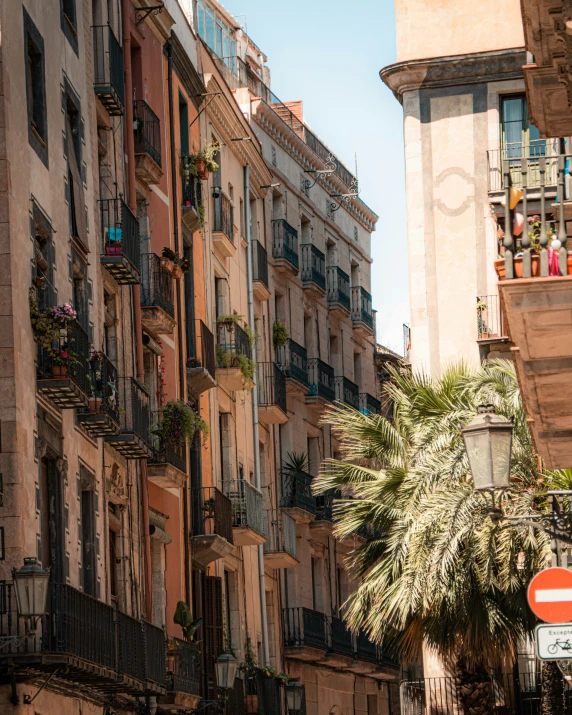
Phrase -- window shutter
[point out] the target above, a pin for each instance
(213, 633)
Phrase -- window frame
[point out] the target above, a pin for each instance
(69, 24)
(37, 139)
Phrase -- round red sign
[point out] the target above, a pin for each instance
(550, 595)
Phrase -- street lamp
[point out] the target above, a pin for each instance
(294, 696)
(225, 668)
(488, 441)
(31, 590)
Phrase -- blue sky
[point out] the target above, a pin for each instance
(328, 53)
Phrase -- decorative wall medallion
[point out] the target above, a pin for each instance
(453, 191)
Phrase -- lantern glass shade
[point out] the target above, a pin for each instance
(488, 441)
(31, 589)
(294, 695)
(225, 666)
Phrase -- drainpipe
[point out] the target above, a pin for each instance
(181, 357)
(263, 620)
(136, 295)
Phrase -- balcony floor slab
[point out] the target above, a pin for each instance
(208, 548)
(166, 475)
(260, 291)
(272, 415)
(200, 380)
(280, 560)
(156, 320)
(231, 378)
(247, 536)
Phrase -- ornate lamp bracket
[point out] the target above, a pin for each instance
(143, 13)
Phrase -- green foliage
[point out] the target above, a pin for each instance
(228, 318)
(247, 367)
(179, 423)
(280, 334)
(202, 214)
(296, 462)
(184, 619)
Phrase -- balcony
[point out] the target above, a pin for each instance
(293, 361)
(348, 392)
(534, 288)
(213, 537)
(64, 380)
(260, 271)
(223, 228)
(297, 495)
(510, 159)
(232, 342)
(157, 296)
(133, 440)
(284, 246)
(338, 294)
(342, 641)
(183, 676)
(490, 322)
(108, 70)
(87, 641)
(322, 387)
(305, 633)
(147, 129)
(167, 467)
(313, 270)
(362, 315)
(120, 232)
(280, 548)
(192, 209)
(247, 513)
(323, 524)
(201, 363)
(368, 404)
(271, 383)
(101, 418)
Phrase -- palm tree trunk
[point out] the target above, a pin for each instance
(552, 702)
(474, 690)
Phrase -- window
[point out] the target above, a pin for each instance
(183, 125)
(219, 37)
(87, 535)
(316, 584)
(114, 529)
(73, 132)
(69, 22)
(36, 89)
(519, 138)
(44, 259)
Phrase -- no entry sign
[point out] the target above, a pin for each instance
(550, 595)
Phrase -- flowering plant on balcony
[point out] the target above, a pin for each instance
(64, 313)
(49, 325)
(179, 423)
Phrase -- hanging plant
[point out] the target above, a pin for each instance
(280, 334)
(179, 424)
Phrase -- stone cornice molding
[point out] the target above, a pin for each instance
(456, 70)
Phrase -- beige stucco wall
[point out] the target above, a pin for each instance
(438, 28)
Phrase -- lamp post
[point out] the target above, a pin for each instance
(294, 696)
(31, 590)
(225, 670)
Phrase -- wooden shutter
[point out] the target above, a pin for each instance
(213, 625)
(77, 199)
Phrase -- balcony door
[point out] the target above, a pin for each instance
(519, 138)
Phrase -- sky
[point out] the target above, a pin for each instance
(328, 53)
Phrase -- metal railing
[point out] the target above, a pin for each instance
(338, 287)
(108, 69)
(223, 216)
(259, 263)
(361, 306)
(142, 650)
(203, 354)
(297, 490)
(247, 505)
(120, 231)
(165, 451)
(147, 128)
(293, 360)
(157, 287)
(514, 153)
(490, 323)
(369, 405)
(347, 391)
(135, 410)
(313, 265)
(231, 341)
(341, 637)
(183, 667)
(280, 532)
(103, 381)
(325, 507)
(68, 357)
(271, 382)
(285, 241)
(322, 380)
(216, 513)
(305, 627)
(192, 190)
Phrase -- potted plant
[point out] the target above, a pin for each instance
(181, 266)
(39, 282)
(482, 326)
(228, 320)
(59, 361)
(280, 334)
(168, 259)
(204, 161)
(179, 423)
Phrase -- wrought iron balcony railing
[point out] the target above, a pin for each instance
(369, 405)
(361, 307)
(192, 192)
(165, 450)
(325, 507)
(217, 514)
(341, 637)
(259, 263)
(147, 127)
(297, 490)
(247, 505)
(157, 288)
(134, 438)
(347, 391)
(322, 380)
(281, 532)
(338, 287)
(223, 216)
(305, 627)
(271, 383)
(183, 667)
(293, 360)
(101, 417)
(231, 341)
(202, 349)
(490, 323)
(285, 241)
(120, 232)
(313, 266)
(142, 650)
(108, 69)
(514, 153)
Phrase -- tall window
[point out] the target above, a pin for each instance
(35, 89)
(519, 138)
(69, 22)
(184, 125)
(88, 543)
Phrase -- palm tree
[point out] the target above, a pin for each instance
(441, 574)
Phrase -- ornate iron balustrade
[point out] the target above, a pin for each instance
(281, 532)
(192, 191)
(223, 218)
(514, 153)
(297, 490)
(322, 380)
(142, 650)
(135, 412)
(490, 322)
(183, 667)
(75, 345)
(342, 640)
(247, 505)
(348, 392)
(231, 341)
(293, 361)
(361, 307)
(369, 405)
(147, 127)
(203, 354)
(259, 263)
(101, 417)
(120, 232)
(338, 287)
(366, 649)
(285, 241)
(108, 69)
(157, 287)
(163, 450)
(325, 507)
(305, 627)
(313, 266)
(217, 513)
(271, 382)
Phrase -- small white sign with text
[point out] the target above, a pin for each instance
(554, 641)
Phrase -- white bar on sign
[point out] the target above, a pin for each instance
(552, 595)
